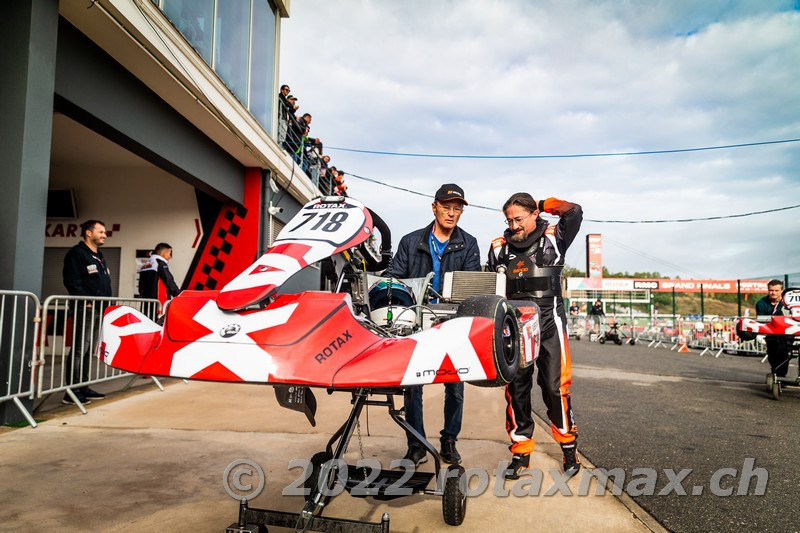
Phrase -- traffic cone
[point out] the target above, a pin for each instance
(683, 348)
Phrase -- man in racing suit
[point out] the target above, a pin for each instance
(531, 253)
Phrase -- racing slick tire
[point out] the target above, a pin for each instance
(770, 381)
(505, 337)
(454, 499)
(312, 481)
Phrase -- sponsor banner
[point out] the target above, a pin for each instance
(594, 255)
(749, 286)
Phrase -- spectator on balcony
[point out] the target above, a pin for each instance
(285, 108)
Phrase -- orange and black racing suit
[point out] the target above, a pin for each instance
(533, 272)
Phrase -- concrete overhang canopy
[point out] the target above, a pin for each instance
(139, 37)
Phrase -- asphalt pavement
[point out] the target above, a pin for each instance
(655, 409)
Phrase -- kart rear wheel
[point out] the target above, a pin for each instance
(633, 342)
(505, 337)
(454, 500)
(618, 341)
(770, 381)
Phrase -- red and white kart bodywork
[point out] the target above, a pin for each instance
(248, 333)
(747, 328)
(311, 338)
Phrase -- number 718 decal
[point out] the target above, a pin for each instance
(329, 226)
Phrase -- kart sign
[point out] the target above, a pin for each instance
(332, 223)
(321, 229)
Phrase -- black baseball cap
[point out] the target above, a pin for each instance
(450, 191)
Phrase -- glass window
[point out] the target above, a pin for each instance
(262, 66)
(194, 19)
(232, 45)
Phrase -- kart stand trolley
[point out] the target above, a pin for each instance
(776, 385)
(330, 474)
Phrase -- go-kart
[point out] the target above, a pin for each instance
(787, 326)
(614, 334)
(369, 336)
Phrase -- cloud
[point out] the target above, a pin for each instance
(568, 77)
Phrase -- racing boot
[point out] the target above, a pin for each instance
(518, 463)
(572, 464)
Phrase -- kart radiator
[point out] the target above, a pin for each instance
(458, 286)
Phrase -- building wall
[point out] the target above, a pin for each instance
(148, 206)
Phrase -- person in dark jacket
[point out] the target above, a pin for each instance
(595, 313)
(155, 279)
(439, 247)
(86, 274)
(777, 345)
(531, 254)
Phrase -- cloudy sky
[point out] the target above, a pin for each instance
(568, 77)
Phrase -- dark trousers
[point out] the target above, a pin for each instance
(554, 378)
(85, 334)
(778, 354)
(453, 410)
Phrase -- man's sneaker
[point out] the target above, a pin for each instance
(516, 466)
(449, 453)
(93, 394)
(66, 400)
(416, 455)
(571, 462)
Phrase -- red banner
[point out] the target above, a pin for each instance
(746, 286)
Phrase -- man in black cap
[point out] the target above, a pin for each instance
(439, 247)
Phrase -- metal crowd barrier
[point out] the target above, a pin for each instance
(717, 335)
(19, 327)
(68, 343)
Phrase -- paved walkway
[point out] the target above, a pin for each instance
(147, 460)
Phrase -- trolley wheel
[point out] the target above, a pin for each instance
(312, 481)
(454, 500)
(601, 339)
(770, 381)
(776, 390)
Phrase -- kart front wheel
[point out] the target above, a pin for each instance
(601, 340)
(770, 381)
(505, 336)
